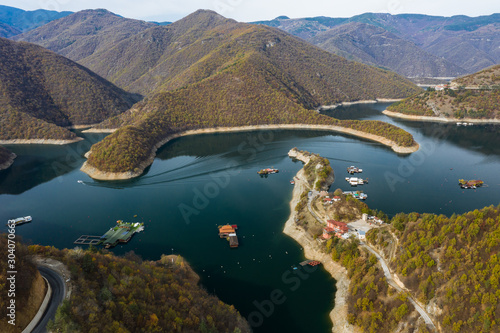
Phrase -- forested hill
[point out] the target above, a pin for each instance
(208, 71)
(7, 31)
(201, 44)
(475, 96)
(376, 46)
(84, 33)
(41, 91)
(126, 294)
(451, 265)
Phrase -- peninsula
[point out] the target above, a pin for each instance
(471, 99)
(109, 175)
(347, 260)
(249, 76)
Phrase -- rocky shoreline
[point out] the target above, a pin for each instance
(367, 101)
(439, 119)
(39, 141)
(103, 175)
(312, 251)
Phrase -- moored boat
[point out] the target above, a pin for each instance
(20, 220)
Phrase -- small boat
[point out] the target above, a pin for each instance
(80, 181)
(267, 171)
(20, 220)
(352, 169)
(292, 182)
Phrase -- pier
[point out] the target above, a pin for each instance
(121, 233)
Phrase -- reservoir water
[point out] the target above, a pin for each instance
(197, 183)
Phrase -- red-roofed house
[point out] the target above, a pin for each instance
(339, 228)
(336, 198)
(327, 233)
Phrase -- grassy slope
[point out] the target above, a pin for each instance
(125, 294)
(40, 90)
(481, 103)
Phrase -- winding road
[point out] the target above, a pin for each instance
(58, 292)
(391, 281)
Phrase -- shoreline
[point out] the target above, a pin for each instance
(39, 141)
(439, 119)
(8, 163)
(366, 101)
(338, 314)
(104, 175)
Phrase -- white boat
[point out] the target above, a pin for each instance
(354, 181)
(20, 220)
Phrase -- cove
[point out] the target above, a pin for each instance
(223, 168)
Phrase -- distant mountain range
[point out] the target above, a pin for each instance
(14, 21)
(412, 45)
(443, 46)
(42, 92)
(373, 45)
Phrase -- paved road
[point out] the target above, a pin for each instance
(58, 290)
(390, 280)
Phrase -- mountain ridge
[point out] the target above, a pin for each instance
(263, 76)
(41, 93)
(468, 42)
(378, 47)
(23, 20)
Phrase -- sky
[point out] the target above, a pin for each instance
(255, 10)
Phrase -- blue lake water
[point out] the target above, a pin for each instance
(197, 183)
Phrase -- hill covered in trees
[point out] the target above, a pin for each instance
(475, 96)
(376, 46)
(208, 71)
(450, 264)
(42, 92)
(126, 294)
(84, 33)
